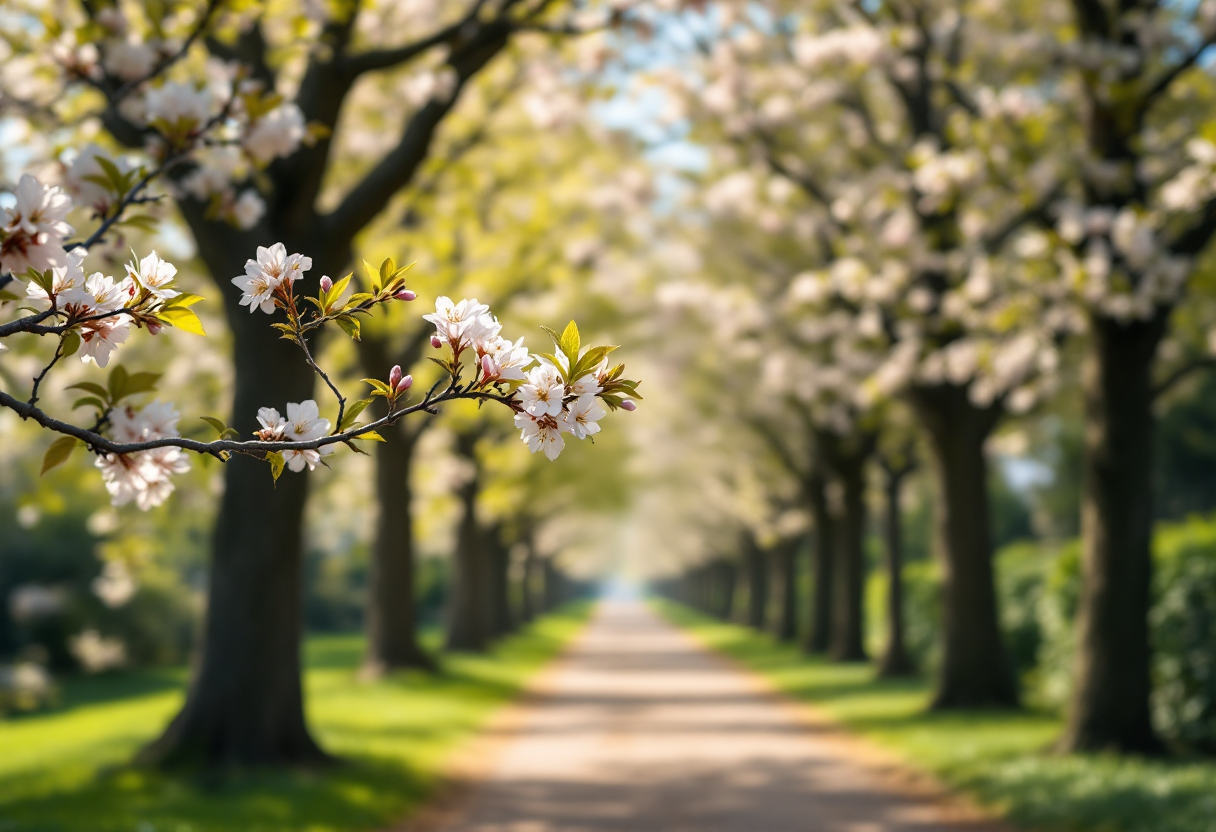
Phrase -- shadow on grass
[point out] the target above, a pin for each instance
(391, 736)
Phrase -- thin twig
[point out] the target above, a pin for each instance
(38, 379)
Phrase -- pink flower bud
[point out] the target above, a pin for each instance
(628, 405)
(394, 375)
(487, 366)
(435, 342)
(326, 283)
(405, 294)
(154, 328)
(405, 384)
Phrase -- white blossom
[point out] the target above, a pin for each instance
(540, 434)
(582, 417)
(33, 230)
(129, 59)
(248, 209)
(143, 477)
(452, 320)
(177, 104)
(278, 133)
(155, 275)
(303, 424)
(543, 392)
(267, 273)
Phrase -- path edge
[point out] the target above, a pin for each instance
(892, 769)
(474, 760)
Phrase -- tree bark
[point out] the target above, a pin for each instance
(502, 620)
(756, 563)
(552, 593)
(786, 569)
(1110, 706)
(822, 564)
(975, 671)
(469, 605)
(392, 632)
(245, 705)
(895, 660)
(847, 457)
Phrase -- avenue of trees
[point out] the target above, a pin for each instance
(851, 247)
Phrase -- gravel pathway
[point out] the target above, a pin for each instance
(639, 728)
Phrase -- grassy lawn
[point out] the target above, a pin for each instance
(1001, 759)
(65, 771)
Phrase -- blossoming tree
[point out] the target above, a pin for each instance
(913, 175)
(202, 94)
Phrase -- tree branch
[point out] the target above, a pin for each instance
(370, 196)
(1174, 378)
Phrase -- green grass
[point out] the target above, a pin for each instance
(1002, 759)
(66, 770)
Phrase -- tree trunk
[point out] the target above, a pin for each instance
(848, 460)
(757, 584)
(245, 704)
(469, 605)
(1110, 706)
(552, 589)
(895, 660)
(975, 671)
(786, 556)
(822, 565)
(392, 635)
(527, 588)
(502, 621)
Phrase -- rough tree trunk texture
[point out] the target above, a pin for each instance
(502, 619)
(895, 661)
(848, 461)
(1110, 706)
(756, 563)
(785, 556)
(245, 705)
(391, 616)
(975, 670)
(391, 620)
(469, 604)
(822, 565)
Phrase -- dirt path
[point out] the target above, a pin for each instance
(641, 729)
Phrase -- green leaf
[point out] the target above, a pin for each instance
(373, 275)
(91, 387)
(556, 362)
(7, 295)
(570, 343)
(336, 292)
(590, 361)
(141, 383)
(218, 424)
(58, 453)
(557, 339)
(349, 325)
(372, 435)
(277, 463)
(352, 412)
(182, 318)
(184, 299)
(118, 182)
(117, 382)
(379, 386)
(70, 343)
(90, 401)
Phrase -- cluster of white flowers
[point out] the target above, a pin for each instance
(33, 229)
(547, 405)
(278, 133)
(264, 277)
(143, 477)
(303, 424)
(551, 408)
